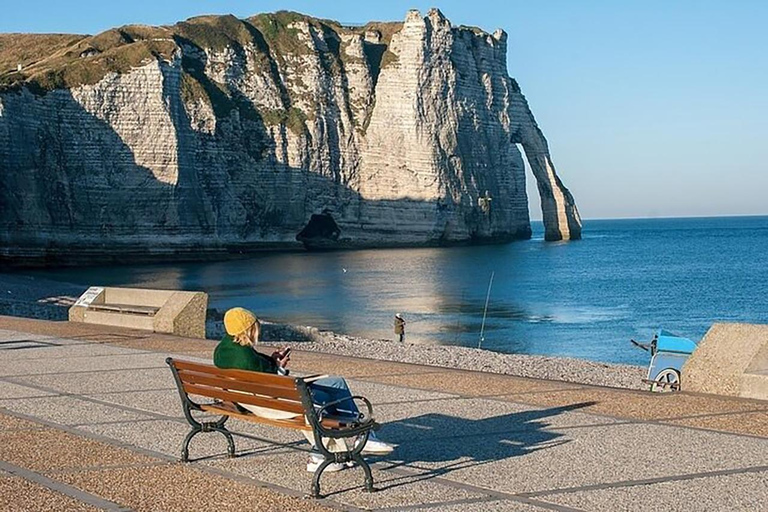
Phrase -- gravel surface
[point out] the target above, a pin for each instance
(539, 367)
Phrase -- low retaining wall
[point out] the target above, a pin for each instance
(166, 311)
(732, 360)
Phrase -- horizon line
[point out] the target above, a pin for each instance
(708, 216)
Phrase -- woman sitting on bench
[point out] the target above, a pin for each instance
(237, 350)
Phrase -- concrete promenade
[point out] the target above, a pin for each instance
(90, 420)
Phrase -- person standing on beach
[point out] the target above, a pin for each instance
(400, 327)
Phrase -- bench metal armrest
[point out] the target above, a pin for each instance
(363, 423)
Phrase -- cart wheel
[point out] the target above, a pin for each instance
(670, 377)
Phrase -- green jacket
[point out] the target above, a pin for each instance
(230, 354)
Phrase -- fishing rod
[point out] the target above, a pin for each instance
(485, 311)
(458, 319)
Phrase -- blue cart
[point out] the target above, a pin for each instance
(668, 354)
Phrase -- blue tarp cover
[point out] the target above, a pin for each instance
(669, 342)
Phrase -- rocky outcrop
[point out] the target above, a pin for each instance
(223, 135)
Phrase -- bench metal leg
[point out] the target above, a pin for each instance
(316, 478)
(367, 469)
(230, 440)
(217, 426)
(185, 446)
(358, 458)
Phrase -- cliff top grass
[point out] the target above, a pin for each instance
(27, 49)
(63, 61)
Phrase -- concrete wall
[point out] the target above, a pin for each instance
(732, 360)
(175, 312)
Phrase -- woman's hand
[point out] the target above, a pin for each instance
(282, 356)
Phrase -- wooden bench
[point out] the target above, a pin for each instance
(224, 389)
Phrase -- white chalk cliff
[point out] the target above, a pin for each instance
(223, 135)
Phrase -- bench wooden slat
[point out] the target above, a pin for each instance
(241, 375)
(297, 423)
(243, 398)
(248, 387)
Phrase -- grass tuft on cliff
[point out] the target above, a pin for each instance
(281, 32)
(214, 32)
(294, 119)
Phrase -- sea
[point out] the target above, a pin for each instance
(586, 299)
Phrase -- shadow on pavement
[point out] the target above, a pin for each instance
(433, 445)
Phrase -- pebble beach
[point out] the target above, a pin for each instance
(539, 367)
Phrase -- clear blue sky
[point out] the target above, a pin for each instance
(651, 107)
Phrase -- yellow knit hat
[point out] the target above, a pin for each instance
(238, 320)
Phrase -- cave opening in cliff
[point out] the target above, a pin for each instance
(320, 231)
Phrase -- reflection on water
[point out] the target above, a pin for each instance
(582, 299)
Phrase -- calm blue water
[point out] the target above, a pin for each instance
(583, 299)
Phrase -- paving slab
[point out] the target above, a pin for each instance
(169, 345)
(746, 491)
(640, 404)
(17, 391)
(66, 329)
(176, 487)
(10, 422)
(97, 382)
(754, 423)
(10, 335)
(289, 470)
(382, 394)
(478, 505)
(61, 365)
(316, 362)
(67, 410)
(63, 351)
(431, 422)
(165, 402)
(21, 495)
(49, 449)
(166, 437)
(472, 383)
(62, 458)
(533, 460)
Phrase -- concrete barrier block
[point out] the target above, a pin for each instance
(183, 314)
(167, 311)
(93, 295)
(755, 385)
(732, 360)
